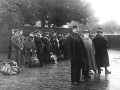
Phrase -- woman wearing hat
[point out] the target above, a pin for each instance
(90, 62)
(10, 45)
(17, 48)
(29, 47)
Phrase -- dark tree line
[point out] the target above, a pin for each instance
(16, 13)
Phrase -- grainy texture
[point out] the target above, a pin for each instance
(57, 77)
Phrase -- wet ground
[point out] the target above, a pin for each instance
(57, 77)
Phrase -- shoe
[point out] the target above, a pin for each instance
(82, 81)
(75, 83)
(107, 72)
(87, 76)
(101, 69)
(99, 72)
(95, 71)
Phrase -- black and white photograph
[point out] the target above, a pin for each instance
(59, 44)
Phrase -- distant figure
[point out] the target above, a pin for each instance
(17, 48)
(39, 46)
(102, 58)
(55, 44)
(90, 62)
(29, 47)
(46, 49)
(76, 53)
(10, 45)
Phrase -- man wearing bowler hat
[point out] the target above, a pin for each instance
(100, 43)
(76, 53)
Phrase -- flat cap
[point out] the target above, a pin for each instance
(86, 31)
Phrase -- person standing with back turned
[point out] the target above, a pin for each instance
(102, 58)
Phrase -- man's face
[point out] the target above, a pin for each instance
(21, 32)
(31, 35)
(47, 35)
(54, 34)
(75, 30)
(17, 33)
(86, 35)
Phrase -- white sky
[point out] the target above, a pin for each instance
(106, 10)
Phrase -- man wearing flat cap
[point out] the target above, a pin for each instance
(102, 58)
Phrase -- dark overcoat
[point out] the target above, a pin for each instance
(46, 49)
(65, 48)
(29, 47)
(54, 47)
(61, 45)
(39, 47)
(76, 53)
(101, 54)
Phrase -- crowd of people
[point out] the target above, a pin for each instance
(84, 52)
(44, 45)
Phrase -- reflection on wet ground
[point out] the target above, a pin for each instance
(57, 77)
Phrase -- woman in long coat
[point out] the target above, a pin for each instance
(102, 58)
(29, 47)
(17, 48)
(90, 62)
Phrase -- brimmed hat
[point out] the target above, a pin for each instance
(47, 32)
(86, 31)
(15, 30)
(99, 31)
(99, 28)
(31, 33)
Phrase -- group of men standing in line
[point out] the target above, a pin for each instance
(84, 52)
(21, 48)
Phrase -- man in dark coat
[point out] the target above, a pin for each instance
(55, 44)
(100, 43)
(76, 53)
(39, 45)
(46, 50)
(60, 38)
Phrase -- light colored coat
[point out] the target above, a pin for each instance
(90, 53)
(17, 54)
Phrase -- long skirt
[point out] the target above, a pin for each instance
(27, 55)
(18, 56)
